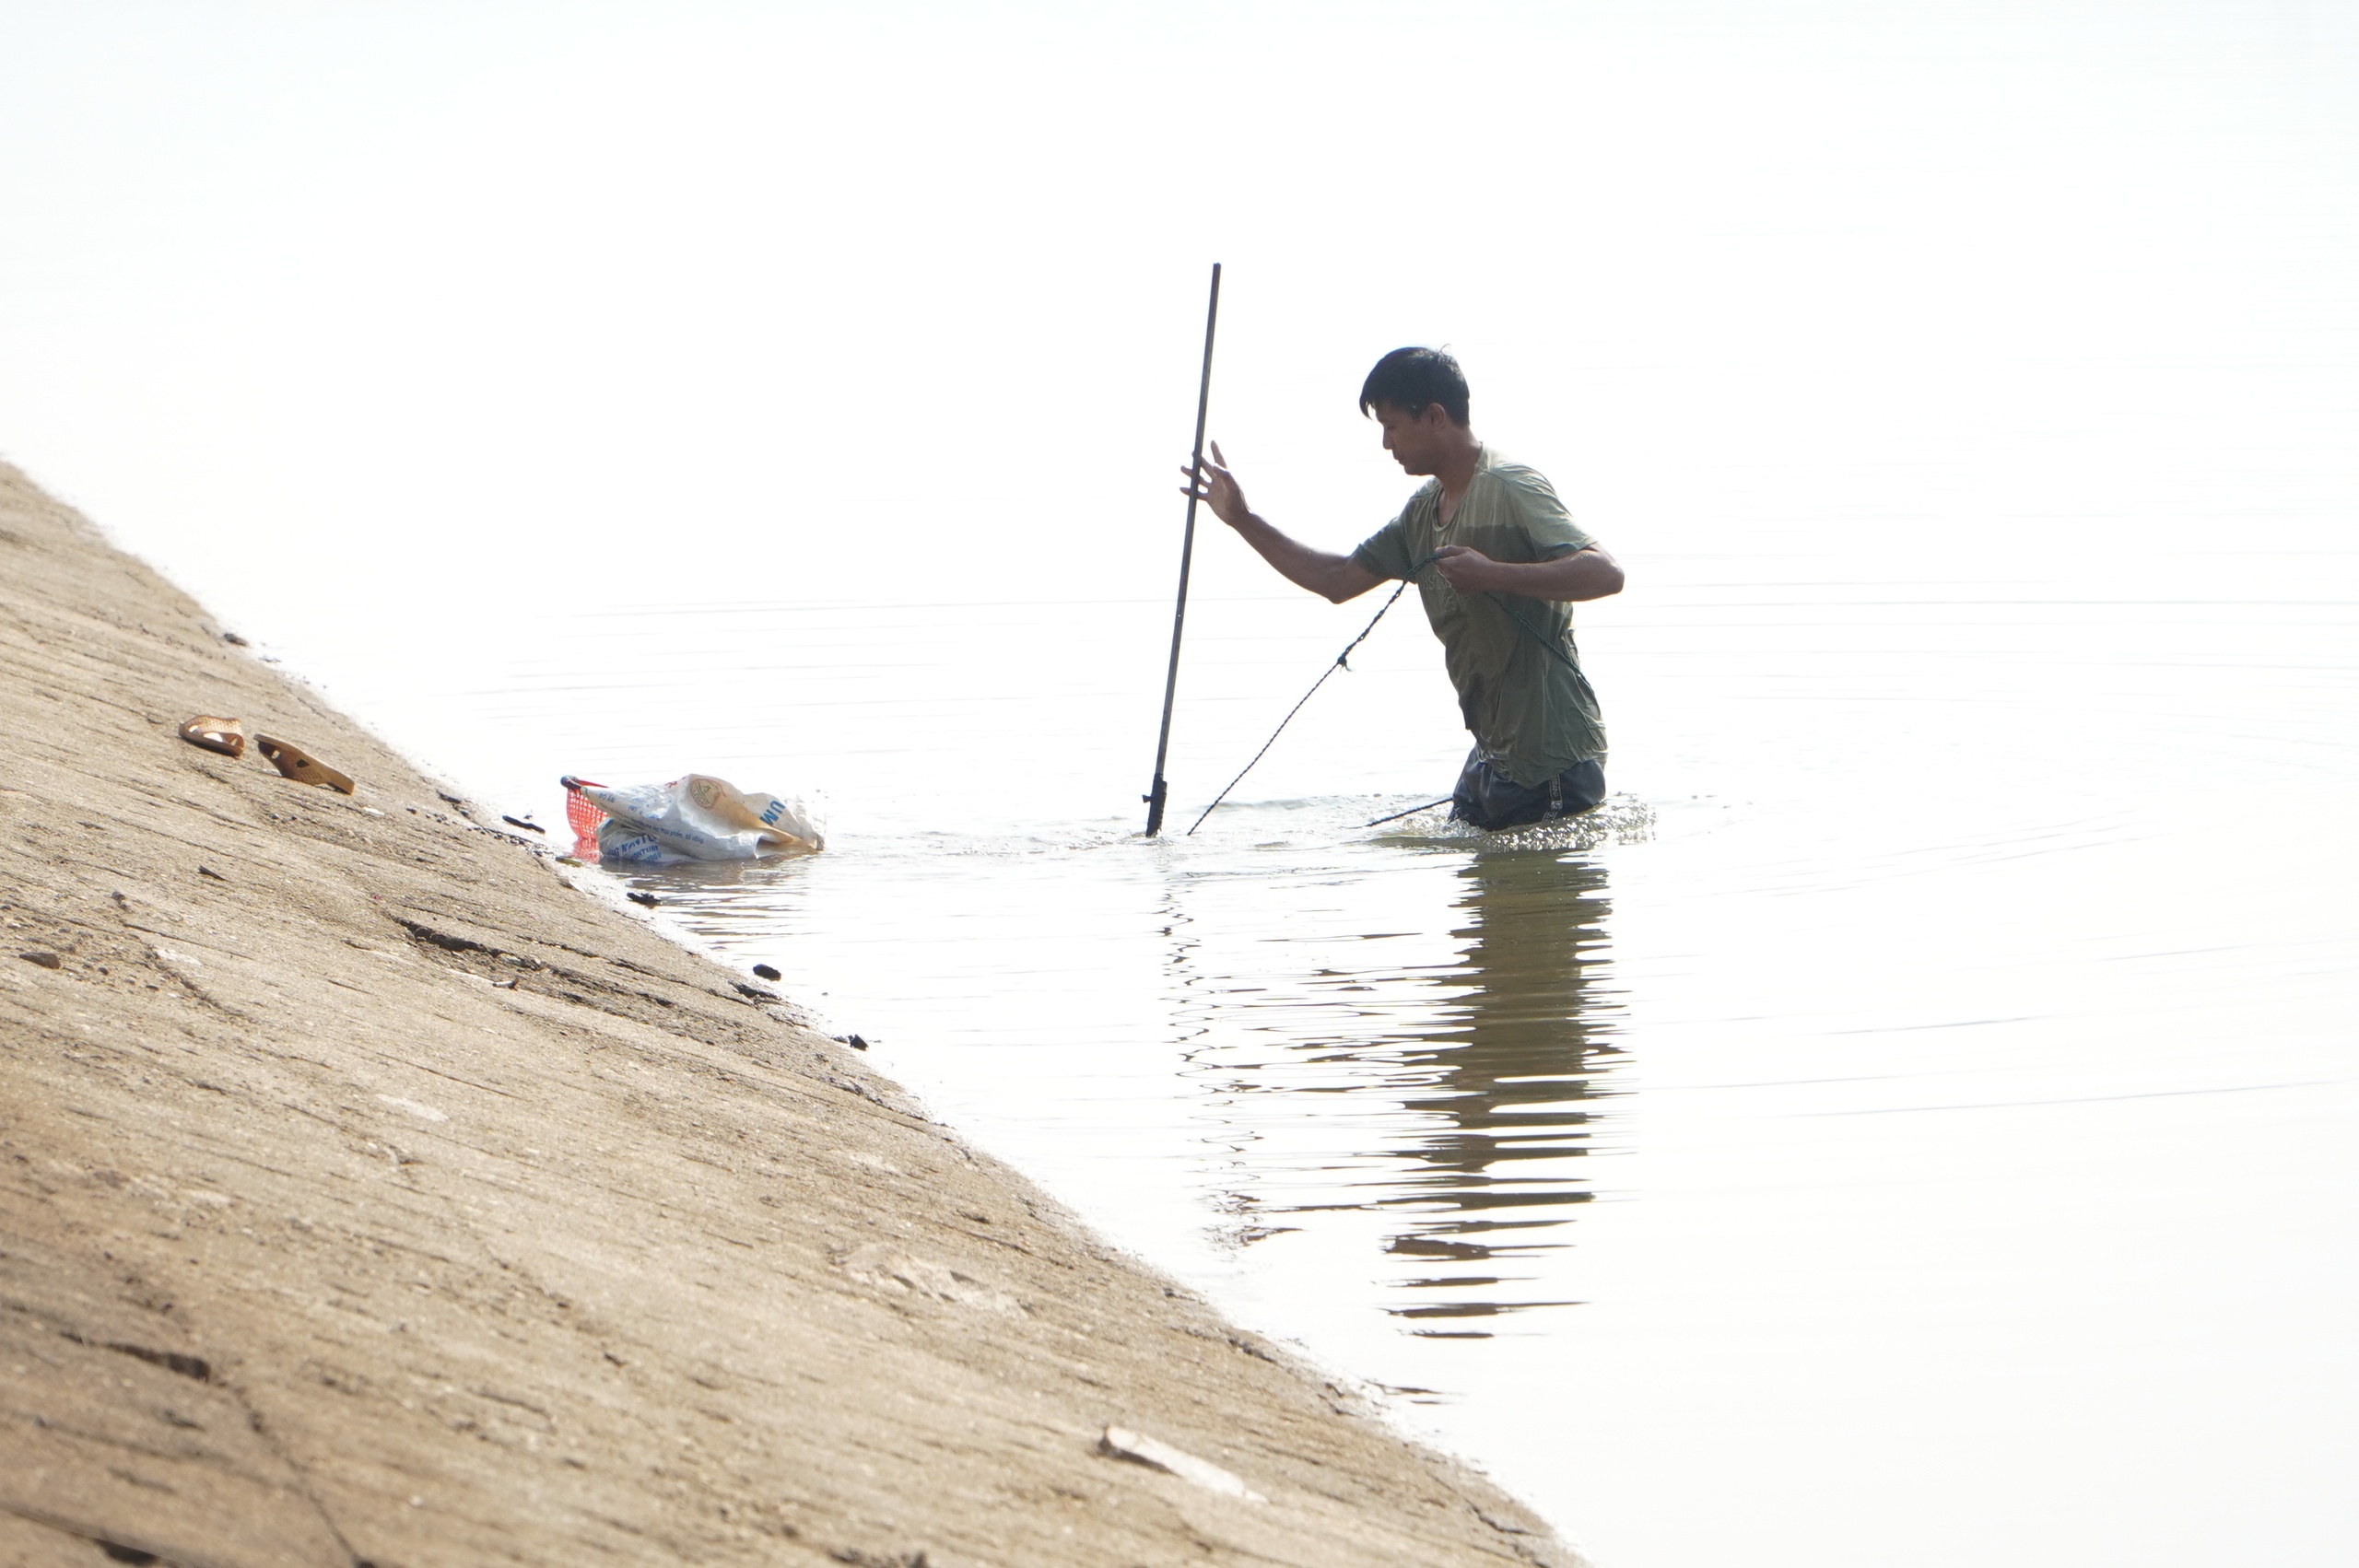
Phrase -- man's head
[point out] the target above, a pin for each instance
(1419, 396)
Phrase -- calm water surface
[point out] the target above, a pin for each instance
(1909, 1124)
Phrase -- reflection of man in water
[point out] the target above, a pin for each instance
(1521, 1026)
(1497, 561)
(1511, 1063)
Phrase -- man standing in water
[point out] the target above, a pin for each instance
(1497, 561)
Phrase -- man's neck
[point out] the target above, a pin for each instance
(1456, 468)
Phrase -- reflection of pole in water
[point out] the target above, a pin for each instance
(1193, 1011)
(1506, 1076)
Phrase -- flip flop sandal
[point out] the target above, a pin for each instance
(226, 736)
(293, 762)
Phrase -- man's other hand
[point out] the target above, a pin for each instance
(1218, 489)
(1468, 570)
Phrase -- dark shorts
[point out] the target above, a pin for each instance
(1486, 797)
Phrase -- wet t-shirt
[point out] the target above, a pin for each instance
(1531, 712)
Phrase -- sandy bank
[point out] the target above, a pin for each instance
(370, 1196)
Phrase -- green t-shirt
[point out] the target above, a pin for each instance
(1531, 712)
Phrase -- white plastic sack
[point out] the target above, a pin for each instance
(696, 818)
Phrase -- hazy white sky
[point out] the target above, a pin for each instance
(338, 310)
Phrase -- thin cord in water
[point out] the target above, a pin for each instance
(1412, 810)
(1321, 681)
(1521, 624)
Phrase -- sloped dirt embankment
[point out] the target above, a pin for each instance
(368, 1195)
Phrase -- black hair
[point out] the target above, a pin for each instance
(1412, 378)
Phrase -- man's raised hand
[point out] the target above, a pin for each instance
(1218, 489)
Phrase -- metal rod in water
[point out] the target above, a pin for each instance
(1154, 798)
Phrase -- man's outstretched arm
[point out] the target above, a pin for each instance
(1332, 576)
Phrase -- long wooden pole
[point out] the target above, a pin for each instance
(1154, 797)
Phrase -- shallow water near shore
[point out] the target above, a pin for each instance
(1927, 1078)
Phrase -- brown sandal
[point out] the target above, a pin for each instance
(293, 762)
(226, 736)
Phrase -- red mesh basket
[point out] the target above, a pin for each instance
(581, 815)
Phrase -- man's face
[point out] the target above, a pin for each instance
(1414, 440)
